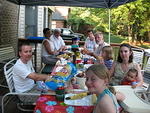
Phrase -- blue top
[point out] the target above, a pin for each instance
(108, 63)
(75, 38)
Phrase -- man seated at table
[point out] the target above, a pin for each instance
(51, 46)
(99, 38)
(90, 43)
(24, 74)
(57, 40)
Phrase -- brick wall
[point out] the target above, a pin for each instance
(59, 24)
(8, 24)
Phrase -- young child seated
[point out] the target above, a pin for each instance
(106, 57)
(75, 42)
(130, 78)
(97, 79)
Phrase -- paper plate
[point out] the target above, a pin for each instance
(86, 101)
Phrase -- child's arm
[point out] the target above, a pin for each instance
(139, 77)
(120, 96)
(134, 84)
(112, 70)
(85, 44)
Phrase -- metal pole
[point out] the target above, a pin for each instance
(109, 25)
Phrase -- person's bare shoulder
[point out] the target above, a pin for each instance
(106, 105)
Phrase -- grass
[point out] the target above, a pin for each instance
(120, 39)
(145, 46)
(114, 38)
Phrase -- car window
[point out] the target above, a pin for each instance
(66, 32)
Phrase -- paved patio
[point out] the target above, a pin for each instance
(11, 106)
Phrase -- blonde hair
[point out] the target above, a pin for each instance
(98, 33)
(100, 71)
(109, 52)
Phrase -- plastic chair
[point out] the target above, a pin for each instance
(146, 74)
(138, 55)
(8, 71)
(6, 53)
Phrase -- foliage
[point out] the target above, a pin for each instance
(133, 18)
(129, 20)
(114, 38)
(89, 16)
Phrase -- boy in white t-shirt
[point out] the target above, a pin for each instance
(24, 74)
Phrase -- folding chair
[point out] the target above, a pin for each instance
(146, 75)
(138, 55)
(8, 71)
(6, 53)
(146, 78)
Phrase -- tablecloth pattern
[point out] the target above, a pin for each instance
(49, 104)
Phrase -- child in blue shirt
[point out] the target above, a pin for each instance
(107, 55)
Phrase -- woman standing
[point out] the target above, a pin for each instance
(123, 64)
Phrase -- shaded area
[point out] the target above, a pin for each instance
(80, 3)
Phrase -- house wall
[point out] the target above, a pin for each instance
(59, 17)
(58, 24)
(40, 30)
(12, 26)
(8, 24)
(21, 25)
(40, 20)
(40, 26)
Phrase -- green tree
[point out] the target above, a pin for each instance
(98, 18)
(131, 20)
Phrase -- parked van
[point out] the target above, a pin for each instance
(68, 34)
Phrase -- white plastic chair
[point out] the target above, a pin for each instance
(6, 53)
(8, 71)
(146, 74)
(138, 55)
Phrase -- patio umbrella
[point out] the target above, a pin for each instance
(78, 3)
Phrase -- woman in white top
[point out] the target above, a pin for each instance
(48, 49)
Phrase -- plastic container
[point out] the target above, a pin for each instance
(60, 91)
(60, 97)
